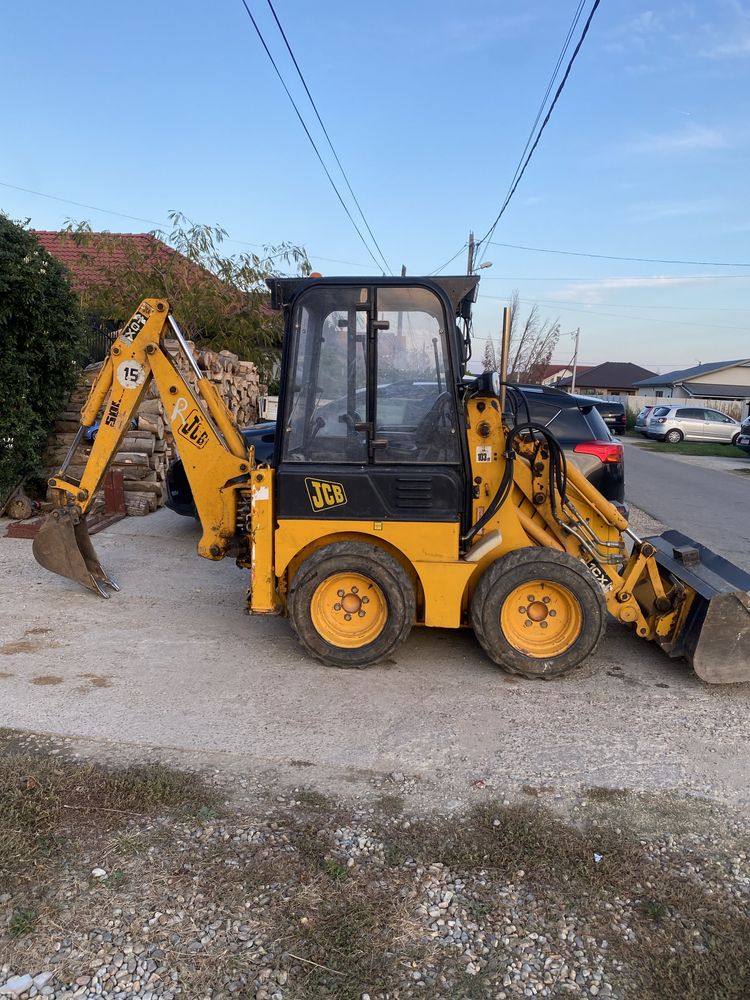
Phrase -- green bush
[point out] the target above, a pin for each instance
(41, 332)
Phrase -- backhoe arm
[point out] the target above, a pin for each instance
(214, 454)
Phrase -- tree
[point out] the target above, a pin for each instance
(221, 302)
(41, 332)
(532, 342)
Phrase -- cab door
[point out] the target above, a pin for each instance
(370, 427)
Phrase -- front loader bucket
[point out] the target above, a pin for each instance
(715, 634)
(63, 546)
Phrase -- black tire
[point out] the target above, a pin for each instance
(371, 562)
(520, 568)
(674, 436)
(734, 440)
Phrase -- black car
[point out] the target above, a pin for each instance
(612, 412)
(579, 426)
(574, 420)
(743, 441)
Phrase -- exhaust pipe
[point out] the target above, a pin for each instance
(714, 634)
(63, 546)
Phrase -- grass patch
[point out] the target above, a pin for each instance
(704, 448)
(21, 923)
(357, 933)
(43, 799)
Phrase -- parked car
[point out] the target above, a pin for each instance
(641, 421)
(613, 414)
(743, 440)
(692, 423)
(574, 421)
(580, 428)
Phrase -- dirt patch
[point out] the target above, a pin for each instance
(20, 646)
(47, 679)
(97, 680)
(4, 675)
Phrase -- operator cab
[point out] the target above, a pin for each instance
(369, 423)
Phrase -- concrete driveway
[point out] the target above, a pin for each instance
(173, 663)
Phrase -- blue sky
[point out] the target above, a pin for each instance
(144, 107)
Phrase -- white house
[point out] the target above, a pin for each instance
(728, 380)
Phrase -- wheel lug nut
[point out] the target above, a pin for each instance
(545, 600)
(337, 607)
(531, 598)
(355, 590)
(528, 623)
(347, 618)
(543, 624)
(365, 600)
(522, 611)
(340, 593)
(552, 614)
(361, 614)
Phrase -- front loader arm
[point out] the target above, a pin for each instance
(214, 454)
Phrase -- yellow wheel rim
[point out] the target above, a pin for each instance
(348, 610)
(541, 619)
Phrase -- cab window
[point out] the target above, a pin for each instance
(415, 417)
(326, 401)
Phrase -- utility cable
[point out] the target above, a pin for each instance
(163, 226)
(605, 256)
(547, 117)
(550, 85)
(307, 133)
(450, 260)
(328, 138)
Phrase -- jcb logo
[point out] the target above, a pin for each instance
(194, 429)
(324, 494)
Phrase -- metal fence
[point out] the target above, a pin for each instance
(99, 337)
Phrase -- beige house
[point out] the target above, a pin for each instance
(728, 380)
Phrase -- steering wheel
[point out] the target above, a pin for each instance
(351, 421)
(434, 427)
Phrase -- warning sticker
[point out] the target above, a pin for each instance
(484, 453)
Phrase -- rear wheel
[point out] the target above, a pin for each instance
(351, 604)
(538, 613)
(674, 436)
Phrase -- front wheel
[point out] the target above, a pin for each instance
(673, 436)
(351, 604)
(538, 612)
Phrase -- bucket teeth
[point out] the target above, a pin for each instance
(63, 546)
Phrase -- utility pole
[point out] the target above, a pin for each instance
(470, 261)
(575, 361)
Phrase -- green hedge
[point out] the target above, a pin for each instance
(41, 333)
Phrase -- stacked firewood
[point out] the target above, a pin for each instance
(148, 446)
(143, 455)
(236, 381)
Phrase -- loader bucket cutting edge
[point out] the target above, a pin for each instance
(715, 636)
(63, 546)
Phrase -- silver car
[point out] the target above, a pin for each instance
(691, 423)
(641, 421)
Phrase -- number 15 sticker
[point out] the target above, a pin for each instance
(130, 374)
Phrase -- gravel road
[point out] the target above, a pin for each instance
(172, 663)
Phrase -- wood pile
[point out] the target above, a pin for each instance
(148, 447)
(236, 381)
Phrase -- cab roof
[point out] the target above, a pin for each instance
(460, 290)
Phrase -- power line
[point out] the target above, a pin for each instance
(328, 138)
(633, 319)
(450, 260)
(547, 117)
(307, 132)
(550, 84)
(153, 222)
(604, 256)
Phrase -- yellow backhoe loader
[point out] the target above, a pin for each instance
(401, 493)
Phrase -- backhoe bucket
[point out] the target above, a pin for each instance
(63, 546)
(715, 634)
